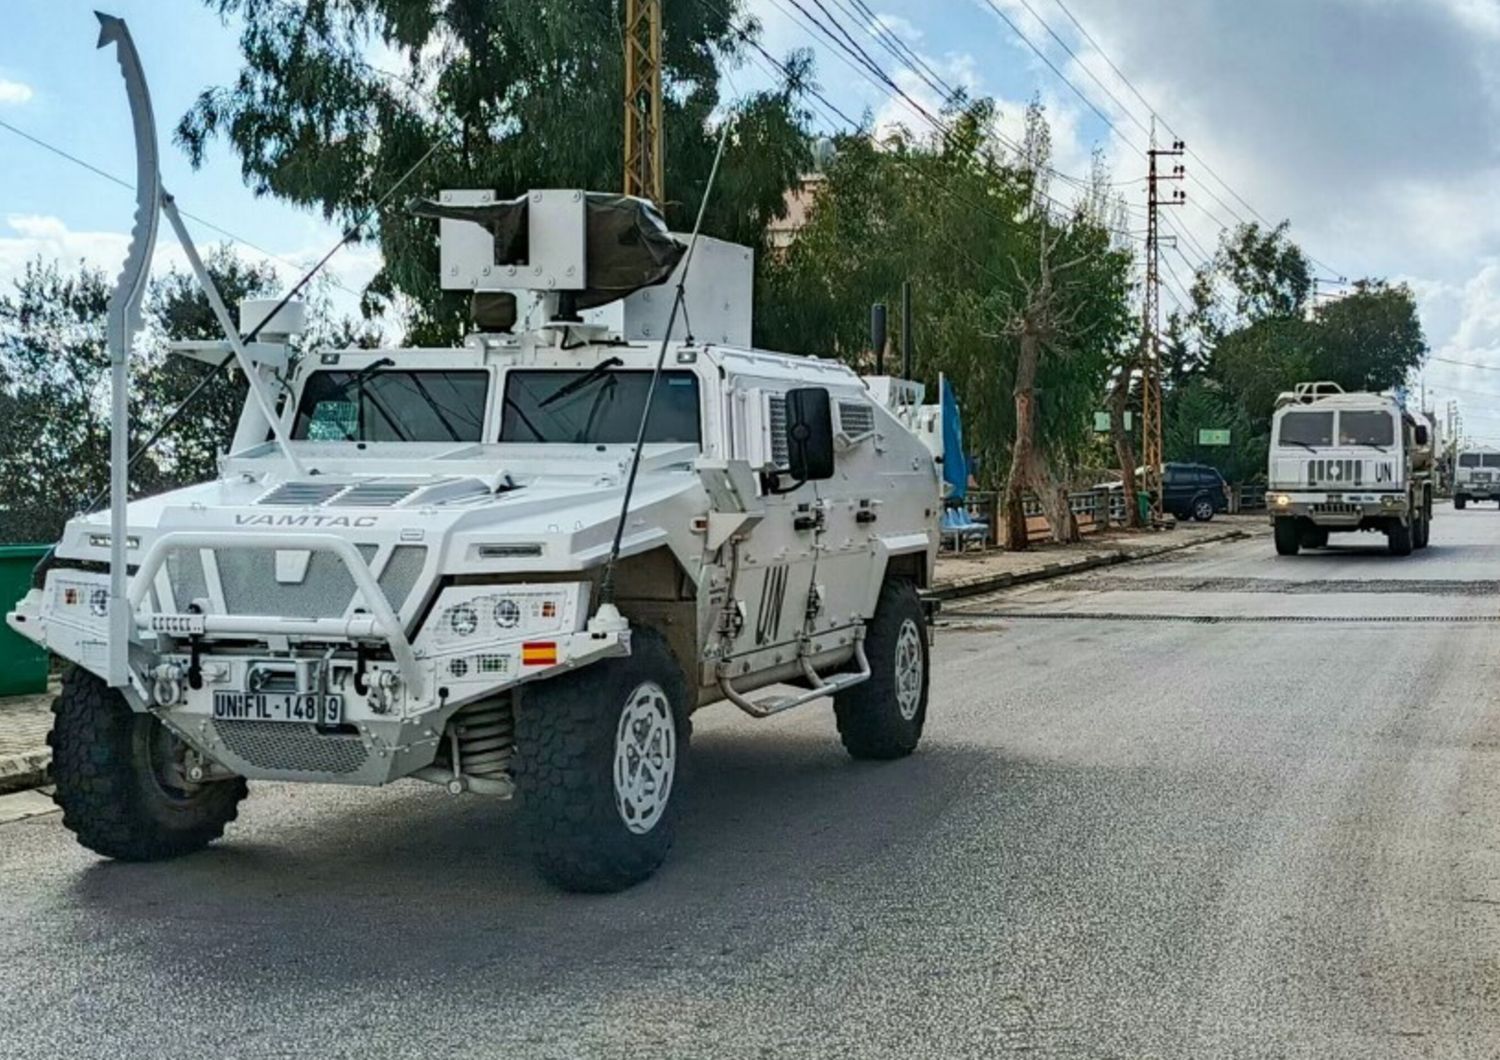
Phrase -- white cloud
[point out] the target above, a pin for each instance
(15, 91)
(48, 237)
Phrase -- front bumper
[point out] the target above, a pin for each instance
(398, 693)
(1348, 510)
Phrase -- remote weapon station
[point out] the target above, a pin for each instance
(514, 567)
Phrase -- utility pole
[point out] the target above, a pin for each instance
(643, 137)
(1151, 446)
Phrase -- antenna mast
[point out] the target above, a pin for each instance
(643, 139)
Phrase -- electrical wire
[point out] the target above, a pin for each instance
(112, 178)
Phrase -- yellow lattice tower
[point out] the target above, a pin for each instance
(643, 134)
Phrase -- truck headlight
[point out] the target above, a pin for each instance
(1392, 500)
(463, 620)
(507, 613)
(1281, 500)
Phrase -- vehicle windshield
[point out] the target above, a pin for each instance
(1306, 429)
(1367, 428)
(1489, 460)
(378, 404)
(1468, 460)
(599, 407)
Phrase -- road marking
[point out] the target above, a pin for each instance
(24, 804)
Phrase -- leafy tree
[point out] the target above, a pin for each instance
(1371, 338)
(54, 386)
(508, 96)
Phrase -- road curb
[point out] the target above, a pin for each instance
(22, 771)
(985, 583)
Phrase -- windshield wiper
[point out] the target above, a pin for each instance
(1290, 441)
(1372, 445)
(599, 371)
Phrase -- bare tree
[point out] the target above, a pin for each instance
(1040, 324)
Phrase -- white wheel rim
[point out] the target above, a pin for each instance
(645, 758)
(909, 666)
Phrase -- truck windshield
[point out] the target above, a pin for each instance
(1306, 429)
(1468, 459)
(603, 408)
(376, 404)
(1489, 460)
(1366, 428)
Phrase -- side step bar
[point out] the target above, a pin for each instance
(819, 688)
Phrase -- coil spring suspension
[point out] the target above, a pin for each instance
(481, 738)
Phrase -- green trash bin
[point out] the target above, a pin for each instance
(23, 666)
(1143, 505)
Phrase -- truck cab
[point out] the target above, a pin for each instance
(1343, 462)
(1476, 476)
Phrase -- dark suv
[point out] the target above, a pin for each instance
(1193, 491)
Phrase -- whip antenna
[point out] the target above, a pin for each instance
(607, 615)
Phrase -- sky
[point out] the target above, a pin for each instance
(1369, 124)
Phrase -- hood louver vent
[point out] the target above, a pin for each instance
(373, 494)
(301, 494)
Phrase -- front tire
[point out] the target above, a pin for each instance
(883, 717)
(1203, 510)
(599, 756)
(1288, 537)
(120, 781)
(1399, 539)
(1460, 502)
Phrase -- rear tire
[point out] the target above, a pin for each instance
(119, 780)
(1288, 537)
(1424, 529)
(883, 717)
(1460, 501)
(599, 757)
(1399, 539)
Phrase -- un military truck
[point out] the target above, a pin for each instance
(1476, 476)
(420, 584)
(1341, 462)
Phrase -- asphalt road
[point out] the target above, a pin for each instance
(1218, 804)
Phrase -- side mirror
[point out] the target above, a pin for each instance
(1421, 434)
(809, 434)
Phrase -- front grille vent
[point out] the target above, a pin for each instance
(276, 745)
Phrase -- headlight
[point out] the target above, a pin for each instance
(1391, 500)
(507, 613)
(463, 620)
(1282, 500)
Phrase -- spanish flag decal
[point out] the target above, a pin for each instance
(539, 653)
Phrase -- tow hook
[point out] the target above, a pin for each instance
(166, 686)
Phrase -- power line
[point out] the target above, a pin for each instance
(1165, 124)
(871, 71)
(131, 187)
(1465, 364)
(1061, 76)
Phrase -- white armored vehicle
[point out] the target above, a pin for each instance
(1348, 461)
(513, 567)
(1476, 476)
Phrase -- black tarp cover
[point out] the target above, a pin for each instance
(627, 245)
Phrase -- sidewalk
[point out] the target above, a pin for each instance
(972, 573)
(25, 720)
